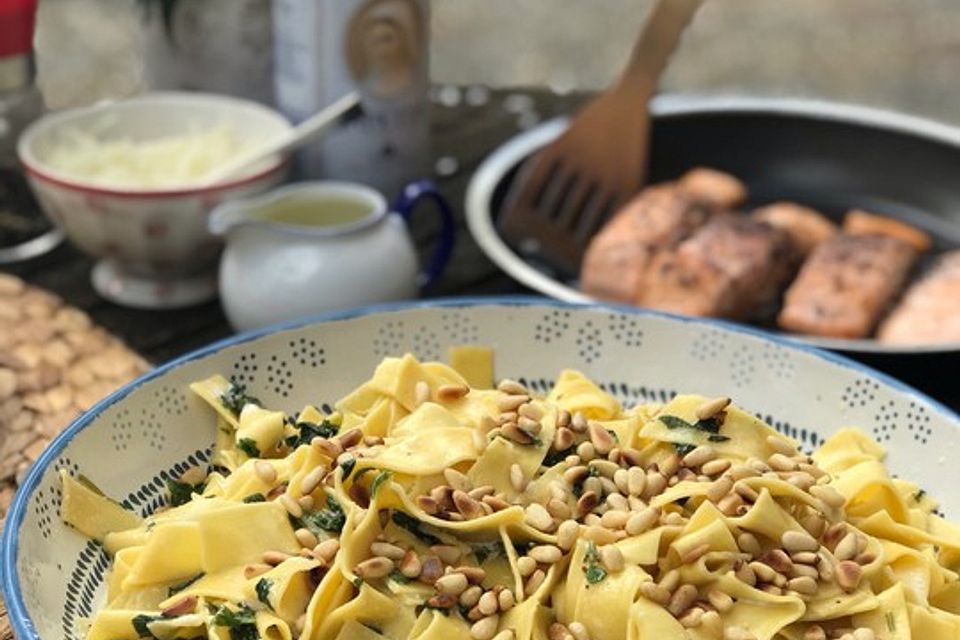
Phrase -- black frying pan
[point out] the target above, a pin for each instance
(829, 156)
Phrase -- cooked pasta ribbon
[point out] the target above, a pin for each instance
(426, 509)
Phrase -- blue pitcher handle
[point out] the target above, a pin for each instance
(408, 200)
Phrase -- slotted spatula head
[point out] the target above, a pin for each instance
(564, 194)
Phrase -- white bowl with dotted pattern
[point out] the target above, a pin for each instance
(153, 428)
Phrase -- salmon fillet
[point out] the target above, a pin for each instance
(716, 188)
(863, 223)
(930, 310)
(846, 285)
(733, 267)
(806, 227)
(617, 258)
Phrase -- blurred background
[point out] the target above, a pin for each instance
(899, 54)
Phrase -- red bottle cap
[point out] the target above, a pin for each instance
(16, 27)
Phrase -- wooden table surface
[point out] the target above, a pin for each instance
(465, 128)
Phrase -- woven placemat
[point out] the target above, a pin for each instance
(54, 364)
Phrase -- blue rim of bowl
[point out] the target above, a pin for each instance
(20, 620)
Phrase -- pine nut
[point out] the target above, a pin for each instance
(563, 418)
(391, 551)
(763, 572)
(512, 387)
(615, 519)
(780, 462)
(506, 600)
(557, 631)
(800, 570)
(746, 575)
(526, 566)
(848, 575)
(710, 408)
(545, 554)
(538, 517)
(506, 634)
(373, 568)
(745, 491)
(578, 423)
(864, 633)
(562, 439)
(804, 557)
(511, 403)
(452, 392)
(312, 480)
(598, 535)
(700, 455)
(579, 631)
(670, 580)
(575, 474)
(719, 488)
(485, 628)
(749, 544)
(797, 541)
(692, 617)
(586, 451)
(636, 481)
(533, 582)
(720, 600)
(778, 560)
(428, 504)
(621, 478)
(567, 534)
(457, 480)
(712, 624)
(410, 566)
(641, 522)
(265, 471)
(517, 480)
(655, 484)
(815, 632)
(528, 425)
(655, 592)
(804, 584)
(715, 467)
(471, 596)
(291, 505)
(431, 568)
(605, 468)
(512, 431)
(669, 465)
(847, 547)
(682, 598)
(467, 506)
(730, 504)
(558, 509)
(612, 558)
(814, 524)
(351, 438)
(447, 553)
(451, 584)
(306, 538)
(828, 495)
(587, 502)
(602, 441)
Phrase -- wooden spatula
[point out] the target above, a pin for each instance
(565, 193)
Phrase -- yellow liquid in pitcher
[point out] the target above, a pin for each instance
(315, 212)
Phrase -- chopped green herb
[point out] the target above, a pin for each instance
(309, 430)
(255, 497)
(613, 434)
(683, 448)
(920, 495)
(398, 577)
(556, 457)
(140, 625)
(891, 621)
(357, 583)
(716, 437)
(591, 565)
(263, 591)
(412, 525)
(249, 447)
(710, 425)
(241, 622)
(180, 492)
(488, 550)
(362, 472)
(236, 397)
(330, 519)
(183, 585)
(346, 468)
(594, 471)
(382, 477)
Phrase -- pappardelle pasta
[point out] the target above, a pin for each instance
(428, 508)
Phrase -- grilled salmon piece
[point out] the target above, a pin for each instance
(716, 188)
(863, 223)
(616, 261)
(733, 267)
(806, 227)
(846, 285)
(930, 310)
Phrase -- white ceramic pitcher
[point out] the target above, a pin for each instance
(320, 246)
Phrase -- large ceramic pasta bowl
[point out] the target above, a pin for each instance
(154, 429)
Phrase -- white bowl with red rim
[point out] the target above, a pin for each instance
(152, 244)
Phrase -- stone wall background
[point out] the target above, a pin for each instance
(899, 54)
